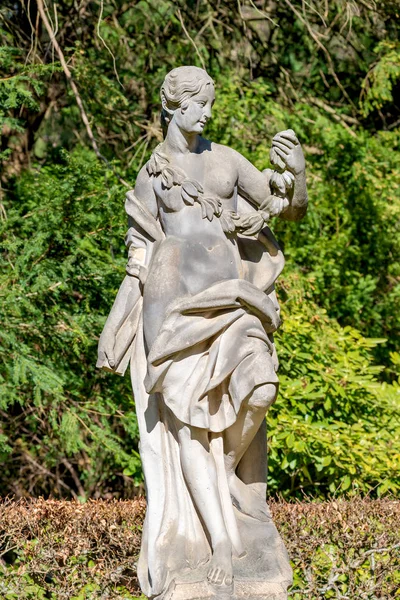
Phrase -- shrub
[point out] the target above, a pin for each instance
(70, 428)
(67, 551)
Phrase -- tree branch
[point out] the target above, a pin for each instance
(74, 88)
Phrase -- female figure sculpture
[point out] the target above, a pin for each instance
(195, 315)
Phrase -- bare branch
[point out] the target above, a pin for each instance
(75, 477)
(322, 47)
(105, 43)
(336, 116)
(178, 12)
(74, 88)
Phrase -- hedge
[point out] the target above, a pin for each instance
(65, 550)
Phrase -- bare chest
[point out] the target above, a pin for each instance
(210, 178)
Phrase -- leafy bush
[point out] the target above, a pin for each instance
(334, 427)
(348, 245)
(330, 71)
(71, 428)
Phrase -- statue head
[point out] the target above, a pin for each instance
(187, 96)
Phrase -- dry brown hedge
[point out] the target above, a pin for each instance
(65, 550)
(342, 549)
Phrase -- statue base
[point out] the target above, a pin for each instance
(263, 573)
(251, 590)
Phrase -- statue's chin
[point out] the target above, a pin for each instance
(198, 128)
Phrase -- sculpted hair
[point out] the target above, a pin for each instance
(179, 86)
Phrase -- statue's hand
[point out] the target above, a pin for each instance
(274, 205)
(250, 224)
(286, 152)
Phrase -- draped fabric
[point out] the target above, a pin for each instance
(212, 350)
(173, 537)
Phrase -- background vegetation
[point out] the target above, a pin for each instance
(330, 69)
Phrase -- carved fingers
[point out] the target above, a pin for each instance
(286, 152)
(280, 183)
(289, 137)
(279, 204)
(251, 223)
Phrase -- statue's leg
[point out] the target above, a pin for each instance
(199, 470)
(248, 490)
(252, 468)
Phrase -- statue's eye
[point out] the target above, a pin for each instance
(201, 104)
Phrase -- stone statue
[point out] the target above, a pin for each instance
(195, 315)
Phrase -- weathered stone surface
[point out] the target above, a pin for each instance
(263, 573)
(195, 316)
(251, 590)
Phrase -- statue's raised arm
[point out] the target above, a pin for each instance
(195, 315)
(290, 181)
(281, 192)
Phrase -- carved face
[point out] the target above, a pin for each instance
(193, 115)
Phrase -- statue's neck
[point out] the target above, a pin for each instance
(180, 142)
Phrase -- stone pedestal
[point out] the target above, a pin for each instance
(251, 590)
(264, 573)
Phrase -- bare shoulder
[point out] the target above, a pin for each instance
(225, 152)
(230, 155)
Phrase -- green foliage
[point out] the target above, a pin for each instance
(348, 245)
(335, 427)
(20, 90)
(380, 81)
(63, 228)
(329, 70)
